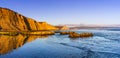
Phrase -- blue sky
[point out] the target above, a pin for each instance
(68, 11)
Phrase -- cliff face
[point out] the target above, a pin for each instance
(12, 21)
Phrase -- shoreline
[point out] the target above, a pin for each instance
(27, 32)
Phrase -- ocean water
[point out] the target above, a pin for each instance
(104, 44)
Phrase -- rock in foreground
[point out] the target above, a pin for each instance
(82, 35)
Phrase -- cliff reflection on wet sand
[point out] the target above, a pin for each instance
(9, 43)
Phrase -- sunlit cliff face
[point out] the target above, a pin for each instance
(9, 43)
(13, 21)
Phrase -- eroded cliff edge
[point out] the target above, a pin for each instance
(13, 21)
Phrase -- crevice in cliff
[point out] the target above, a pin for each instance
(27, 24)
(0, 28)
(36, 25)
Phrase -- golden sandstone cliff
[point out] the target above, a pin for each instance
(12, 21)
